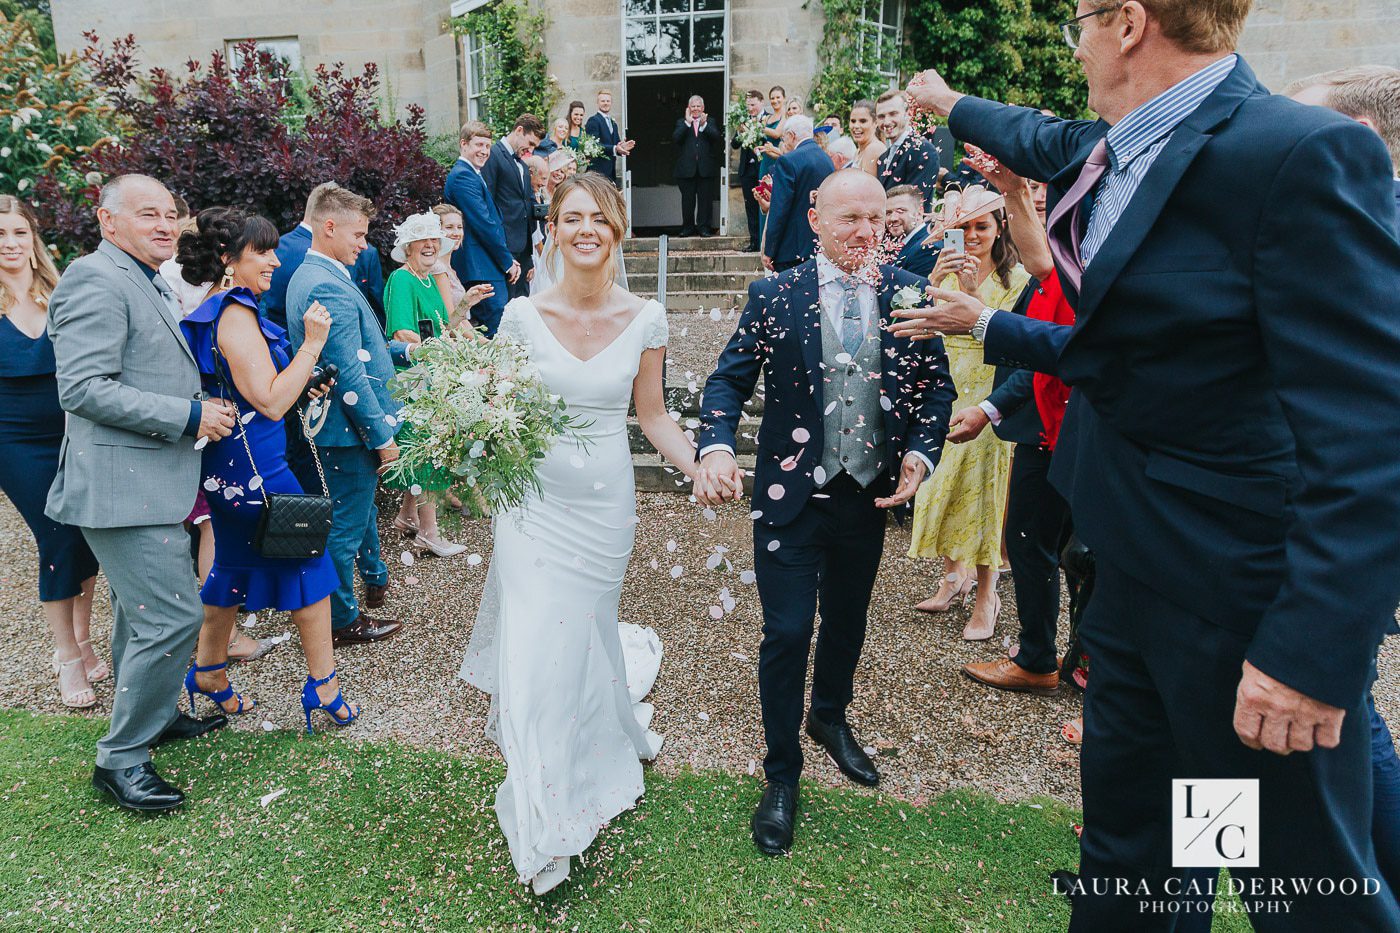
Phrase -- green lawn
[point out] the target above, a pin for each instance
(385, 836)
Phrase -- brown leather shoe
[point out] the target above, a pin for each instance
(1006, 674)
(374, 595)
(364, 630)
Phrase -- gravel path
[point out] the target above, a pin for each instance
(934, 728)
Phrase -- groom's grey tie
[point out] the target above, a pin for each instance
(852, 327)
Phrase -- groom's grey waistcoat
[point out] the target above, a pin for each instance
(853, 427)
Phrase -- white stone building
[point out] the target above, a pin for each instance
(651, 54)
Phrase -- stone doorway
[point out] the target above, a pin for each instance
(654, 103)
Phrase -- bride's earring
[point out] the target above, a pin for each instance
(227, 282)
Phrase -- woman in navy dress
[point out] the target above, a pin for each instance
(31, 431)
(247, 358)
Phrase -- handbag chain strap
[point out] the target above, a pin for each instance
(243, 428)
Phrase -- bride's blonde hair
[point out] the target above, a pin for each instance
(610, 203)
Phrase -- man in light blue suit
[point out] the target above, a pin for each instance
(484, 258)
(356, 439)
(368, 273)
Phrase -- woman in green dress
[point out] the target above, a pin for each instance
(958, 512)
(413, 311)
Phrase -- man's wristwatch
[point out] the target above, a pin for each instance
(979, 330)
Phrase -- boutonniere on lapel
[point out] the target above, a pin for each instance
(908, 298)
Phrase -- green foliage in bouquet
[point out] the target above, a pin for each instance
(588, 149)
(51, 114)
(517, 69)
(738, 122)
(478, 419)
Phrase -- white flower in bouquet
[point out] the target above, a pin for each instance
(588, 149)
(481, 433)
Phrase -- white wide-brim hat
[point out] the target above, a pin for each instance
(962, 207)
(420, 227)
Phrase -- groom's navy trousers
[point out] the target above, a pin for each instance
(825, 560)
(1231, 454)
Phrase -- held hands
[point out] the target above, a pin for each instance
(955, 313)
(911, 475)
(967, 425)
(1271, 715)
(719, 479)
(513, 272)
(317, 321)
(215, 419)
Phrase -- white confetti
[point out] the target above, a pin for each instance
(251, 620)
(232, 492)
(407, 558)
(248, 416)
(776, 491)
(676, 571)
(716, 613)
(576, 461)
(268, 798)
(473, 560)
(267, 725)
(747, 577)
(364, 355)
(671, 545)
(738, 656)
(885, 403)
(202, 443)
(801, 435)
(819, 475)
(753, 766)
(255, 482)
(713, 561)
(212, 485)
(709, 515)
(830, 408)
(704, 717)
(598, 486)
(842, 358)
(714, 314)
(774, 545)
(415, 490)
(655, 564)
(756, 515)
(351, 398)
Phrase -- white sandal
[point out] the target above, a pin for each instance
(84, 698)
(95, 674)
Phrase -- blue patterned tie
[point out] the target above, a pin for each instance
(852, 327)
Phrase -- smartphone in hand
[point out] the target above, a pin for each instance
(955, 240)
(425, 327)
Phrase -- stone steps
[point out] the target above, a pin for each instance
(746, 440)
(644, 263)
(674, 244)
(680, 284)
(723, 299)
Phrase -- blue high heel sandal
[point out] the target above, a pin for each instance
(310, 702)
(220, 697)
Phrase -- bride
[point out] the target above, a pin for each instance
(547, 644)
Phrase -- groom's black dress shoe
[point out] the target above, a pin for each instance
(844, 750)
(772, 821)
(187, 727)
(137, 788)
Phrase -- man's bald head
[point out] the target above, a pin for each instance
(849, 218)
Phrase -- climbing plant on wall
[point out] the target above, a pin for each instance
(848, 66)
(517, 70)
(1006, 50)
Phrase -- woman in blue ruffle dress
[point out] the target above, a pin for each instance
(244, 357)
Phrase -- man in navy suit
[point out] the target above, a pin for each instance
(1370, 95)
(909, 159)
(906, 231)
(484, 257)
(1214, 456)
(853, 422)
(368, 274)
(789, 239)
(508, 180)
(748, 170)
(699, 147)
(602, 127)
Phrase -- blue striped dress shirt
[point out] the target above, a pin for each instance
(1134, 143)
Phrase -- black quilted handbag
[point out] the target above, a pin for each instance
(292, 526)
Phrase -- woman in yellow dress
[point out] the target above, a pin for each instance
(958, 513)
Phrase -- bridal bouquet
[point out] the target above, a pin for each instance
(588, 149)
(748, 129)
(478, 418)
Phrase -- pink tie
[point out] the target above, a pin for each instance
(697, 129)
(1064, 237)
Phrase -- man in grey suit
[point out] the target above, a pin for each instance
(128, 470)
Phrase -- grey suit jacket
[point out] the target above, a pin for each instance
(126, 379)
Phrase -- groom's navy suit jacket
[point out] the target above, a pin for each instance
(1233, 440)
(779, 336)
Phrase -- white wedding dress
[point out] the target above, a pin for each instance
(566, 678)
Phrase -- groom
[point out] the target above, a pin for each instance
(854, 421)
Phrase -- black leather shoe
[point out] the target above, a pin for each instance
(687, 231)
(773, 820)
(845, 751)
(187, 727)
(137, 788)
